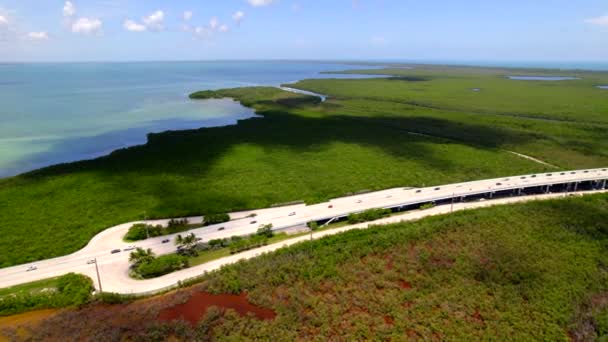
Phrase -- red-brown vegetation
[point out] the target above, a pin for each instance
(196, 307)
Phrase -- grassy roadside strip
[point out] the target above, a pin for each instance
(64, 291)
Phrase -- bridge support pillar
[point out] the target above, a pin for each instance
(548, 188)
(519, 192)
(575, 186)
(491, 195)
(604, 184)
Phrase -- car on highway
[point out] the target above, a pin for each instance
(359, 201)
(92, 261)
(165, 241)
(293, 213)
(253, 222)
(32, 268)
(330, 206)
(129, 248)
(221, 228)
(418, 191)
(114, 251)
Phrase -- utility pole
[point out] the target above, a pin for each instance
(452, 206)
(98, 277)
(145, 220)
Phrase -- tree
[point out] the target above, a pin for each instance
(215, 219)
(266, 230)
(140, 256)
(186, 244)
(313, 225)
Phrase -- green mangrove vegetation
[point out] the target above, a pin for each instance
(142, 231)
(424, 127)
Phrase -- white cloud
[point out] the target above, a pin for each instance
(238, 16)
(3, 20)
(87, 25)
(68, 9)
(213, 23)
(132, 26)
(260, 3)
(296, 7)
(187, 15)
(38, 35)
(599, 21)
(152, 22)
(155, 21)
(223, 28)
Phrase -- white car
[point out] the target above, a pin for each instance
(92, 261)
(129, 248)
(293, 213)
(32, 268)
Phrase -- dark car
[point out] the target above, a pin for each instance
(253, 222)
(221, 228)
(166, 241)
(114, 251)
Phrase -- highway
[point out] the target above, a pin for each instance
(114, 267)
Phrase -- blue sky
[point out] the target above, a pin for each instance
(513, 30)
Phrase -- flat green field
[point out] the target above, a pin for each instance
(366, 137)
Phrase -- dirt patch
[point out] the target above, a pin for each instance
(12, 325)
(405, 284)
(388, 320)
(196, 307)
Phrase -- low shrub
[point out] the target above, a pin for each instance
(265, 230)
(177, 225)
(114, 298)
(215, 219)
(161, 265)
(368, 215)
(427, 206)
(69, 290)
(141, 231)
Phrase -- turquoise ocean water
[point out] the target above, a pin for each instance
(54, 113)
